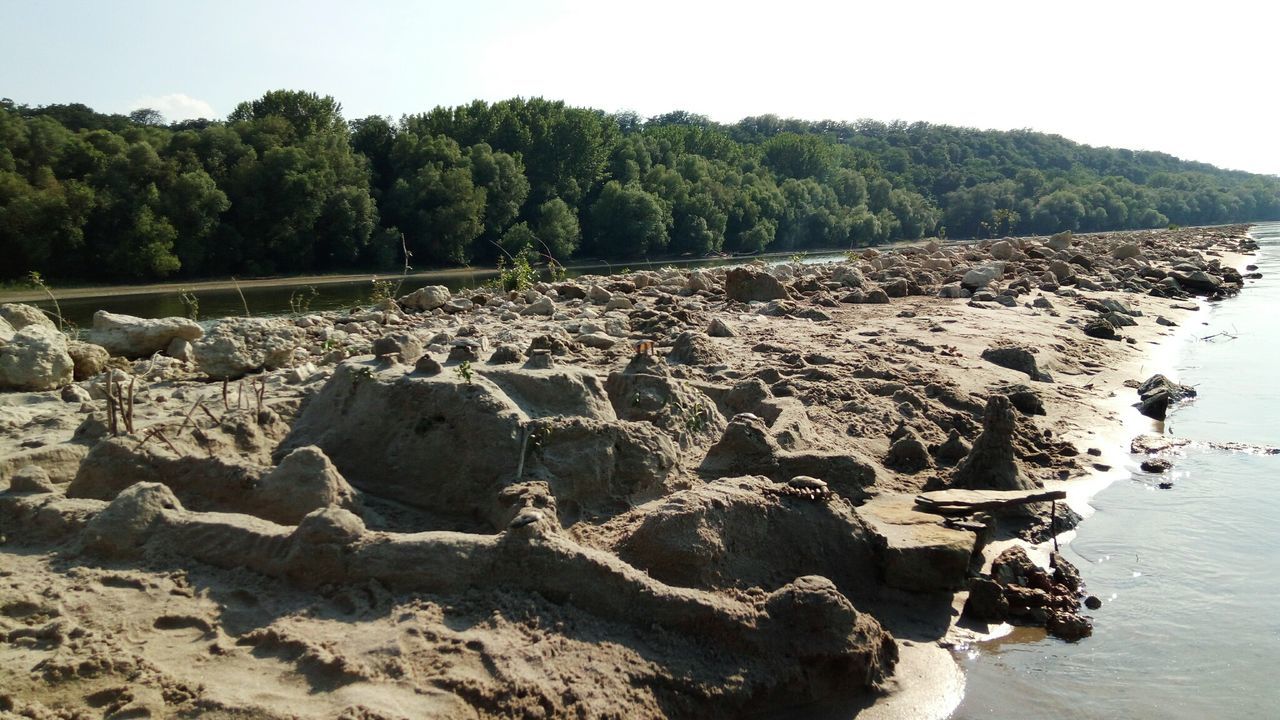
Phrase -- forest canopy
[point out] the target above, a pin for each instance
(286, 184)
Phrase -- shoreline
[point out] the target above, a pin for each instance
(1113, 437)
(810, 386)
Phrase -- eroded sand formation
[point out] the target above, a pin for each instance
(508, 505)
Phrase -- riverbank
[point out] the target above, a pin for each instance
(514, 491)
(1171, 548)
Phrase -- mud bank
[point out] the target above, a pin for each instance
(666, 494)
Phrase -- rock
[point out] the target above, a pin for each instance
(598, 295)
(542, 306)
(953, 291)
(88, 359)
(719, 328)
(597, 340)
(692, 348)
(506, 354)
(6, 331)
(992, 463)
(570, 291)
(408, 347)
(1060, 241)
(1156, 465)
(1017, 358)
(849, 276)
(876, 296)
(75, 394)
(1099, 327)
(1065, 574)
(645, 391)
(181, 349)
(748, 284)
(1092, 602)
(895, 288)
(1013, 567)
(1001, 250)
(854, 297)
(619, 302)
(908, 454)
(1197, 282)
(235, 347)
(426, 298)
(1126, 251)
(36, 359)
(916, 551)
(986, 602)
(457, 305)
(980, 276)
(18, 316)
(135, 337)
(31, 479)
(1068, 626)
(304, 481)
(1158, 393)
(1164, 321)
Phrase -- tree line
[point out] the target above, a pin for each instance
(286, 184)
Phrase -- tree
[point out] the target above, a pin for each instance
(558, 228)
(628, 221)
(146, 116)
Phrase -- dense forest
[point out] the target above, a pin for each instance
(286, 184)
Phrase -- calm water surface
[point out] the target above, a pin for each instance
(337, 296)
(1190, 577)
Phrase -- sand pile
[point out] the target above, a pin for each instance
(658, 494)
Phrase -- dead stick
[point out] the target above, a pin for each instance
(225, 405)
(1053, 523)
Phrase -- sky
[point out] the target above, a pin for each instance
(1194, 80)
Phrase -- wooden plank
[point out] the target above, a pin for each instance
(964, 502)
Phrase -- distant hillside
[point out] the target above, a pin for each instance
(286, 184)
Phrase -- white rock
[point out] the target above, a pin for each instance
(237, 346)
(426, 298)
(20, 316)
(180, 348)
(36, 358)
(542, 306)
(136, 337)
(619, 302)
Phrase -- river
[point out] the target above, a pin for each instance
(1190, 626)
(318, 294)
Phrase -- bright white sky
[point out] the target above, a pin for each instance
(1195, 80)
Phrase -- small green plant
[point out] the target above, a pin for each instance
(694, 417)
(797, 258)
(190, 304)
(518, 274)
(852, 256)
(361, 373)
(36, 280)
(380, 291)
(465, 372)
(300, 299)
(556, 271)
(625, 271)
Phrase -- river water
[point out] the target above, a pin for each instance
(1189, 576)
(286, 296)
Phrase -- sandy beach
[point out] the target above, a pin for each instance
(665, 494)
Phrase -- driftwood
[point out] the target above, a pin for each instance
(968, 502)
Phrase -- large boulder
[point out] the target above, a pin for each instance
(748, 284)
(426, 298)
(36, 358)
(237, 346)
(19, 316)
(7, 331)
(136, 337)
